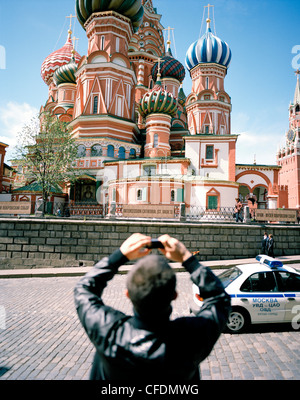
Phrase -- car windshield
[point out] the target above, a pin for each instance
(229, 276)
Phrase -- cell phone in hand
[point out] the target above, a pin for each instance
(155, 244)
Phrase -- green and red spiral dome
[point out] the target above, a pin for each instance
(66, 73)
(158, 101)
(132, 9)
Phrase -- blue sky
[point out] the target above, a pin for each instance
(260, 80)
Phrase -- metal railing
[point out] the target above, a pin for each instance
(80, 210)
(222, 214)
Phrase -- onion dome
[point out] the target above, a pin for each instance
(208, 49)
(131, 9)
(58, 58)
(158, 101)
(169, 67)
(66, 73)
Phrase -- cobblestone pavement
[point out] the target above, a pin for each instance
(41, 338)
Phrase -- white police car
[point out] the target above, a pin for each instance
(264, 292)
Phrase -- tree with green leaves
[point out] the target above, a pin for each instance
(47, 153)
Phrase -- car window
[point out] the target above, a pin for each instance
(260, 282)
(229, 276)
(287, 281)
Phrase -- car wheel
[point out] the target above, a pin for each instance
(237, 321)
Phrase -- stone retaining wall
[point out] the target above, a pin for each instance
(40, 243)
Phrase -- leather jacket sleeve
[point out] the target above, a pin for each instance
(95, 316)
(211, 319)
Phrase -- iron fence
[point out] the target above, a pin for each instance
(222, 214)
(80, 210)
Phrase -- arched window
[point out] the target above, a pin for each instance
(121, 153)
(102, 42)
(96, 150)
(117, 44)
(110, 150)
(132, 153)
(155, 140)
(81, 151)
(207, 83)
(297, 108)
(173, 195)
(95, 106)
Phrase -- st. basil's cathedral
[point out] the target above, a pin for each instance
(141, 139)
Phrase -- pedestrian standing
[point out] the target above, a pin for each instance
(238, 210)
(270, 246)
(264, 243)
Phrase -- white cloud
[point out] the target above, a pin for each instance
(13, 117)
(258, 146)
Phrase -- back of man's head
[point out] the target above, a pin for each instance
(151, 286)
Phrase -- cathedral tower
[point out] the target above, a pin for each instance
(105, 98)
(289, 156)
(209, 108)
(158, 106)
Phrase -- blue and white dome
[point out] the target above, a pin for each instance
(208, 49)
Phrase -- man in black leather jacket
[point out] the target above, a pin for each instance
(148, 345)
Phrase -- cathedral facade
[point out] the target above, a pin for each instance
(141, 139)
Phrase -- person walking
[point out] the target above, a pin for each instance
(148, 346)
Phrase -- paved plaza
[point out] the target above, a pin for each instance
(41, 338)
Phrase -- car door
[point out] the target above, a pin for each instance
(289, 284)
(260, 296)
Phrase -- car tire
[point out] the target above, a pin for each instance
(238, 320)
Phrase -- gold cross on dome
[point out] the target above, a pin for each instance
(71, 18)
(209, 6)
(74, 39)
(169, 29)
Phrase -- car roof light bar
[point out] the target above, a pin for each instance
(269, 261)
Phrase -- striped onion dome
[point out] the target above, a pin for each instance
(158, 101)
(57, 59)
(169, 67)
(66, 73)
(208, 49)
(131, 9)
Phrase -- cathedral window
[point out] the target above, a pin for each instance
(121, 153)
(155, 140)
(172, 195)
(117, 44)
(149, 170)
(132, 153)
(212, 203)
(95, 105)
(96, 150)
(141, 194)
(209, 152)
(110, 151)
(119, 107)
(207, 83)
(102, 42)
(81, 151)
